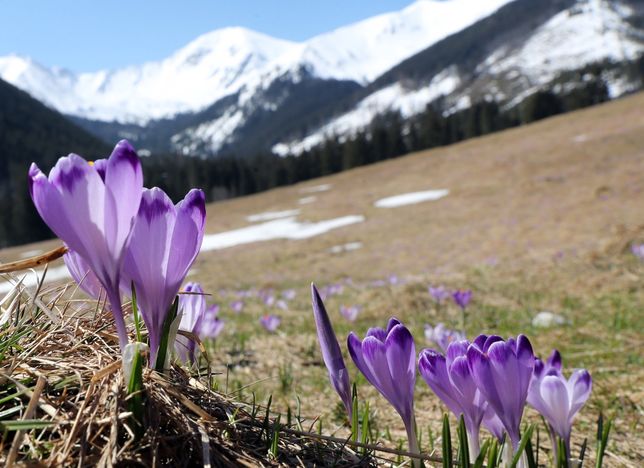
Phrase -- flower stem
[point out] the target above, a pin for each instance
(114, 296)
(473, 444)
(463, 320)
(413, 441)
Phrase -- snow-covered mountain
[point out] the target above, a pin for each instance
(512, 63)
(210, 67)
(224, 61)
(360, 53)
(236, 90)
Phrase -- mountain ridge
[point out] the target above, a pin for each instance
(228, 60)
(499, 50)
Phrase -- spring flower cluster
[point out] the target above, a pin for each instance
(488, 381)
(121, 236)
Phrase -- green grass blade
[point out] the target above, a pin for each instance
(480, 460)
(447, 443)
(354, 414)
(276, 437)
(582, 451)
(137, 317)
(10, 411)
(366, 430)
(14, 395)
(163, 346)
(463, 445)
(522, 445)
(493, 457)
(603, 430)
(25, 425)
(135, 387)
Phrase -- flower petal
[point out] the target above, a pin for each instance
(187, 235)
(146, 261)
(331, 353)
(554, 360)
(393, 321)
(378, 333)
(555, 396)
(82, 274)
(192, 306)
(456, 349)
(124, 186)
(579, 386)
(374, 353)
(433, 369)
(401, 360)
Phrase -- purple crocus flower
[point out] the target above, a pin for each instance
(556, 398)
(288, 294)
(350, 313)
(165, 242)
(92, 208)
(387, 358)
(493, 424)
(451, 380)
(638, 250)
(331, 353)
(502, 371)
(192, 306)
(83, 274)
(196, 318)
(281, 304)
(267, 298)
(331, 290)
(270, 322)
(442, 336)
(211, 326)
(438, 293)
(237, 306)
(462, 298)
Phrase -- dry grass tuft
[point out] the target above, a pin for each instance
(62, 402)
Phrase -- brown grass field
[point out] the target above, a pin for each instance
(538, 218)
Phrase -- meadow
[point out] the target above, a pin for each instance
(538, 218)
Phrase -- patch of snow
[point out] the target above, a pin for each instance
(391, 98)
(214, 134)
(410, 198)
(31, 253)
(364, 50)
(31, 280)
(271, 215)
(348, 247)
(287, 228)
(589, 31)
(580, 138)
(307, 200)
(316, 188)
(547, 319)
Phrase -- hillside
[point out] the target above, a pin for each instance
(566, 183)
(30, 131)
(537, 218)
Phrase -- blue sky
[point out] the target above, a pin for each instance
(87, 35)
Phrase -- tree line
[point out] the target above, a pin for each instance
(227, 176)
(388, 136)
